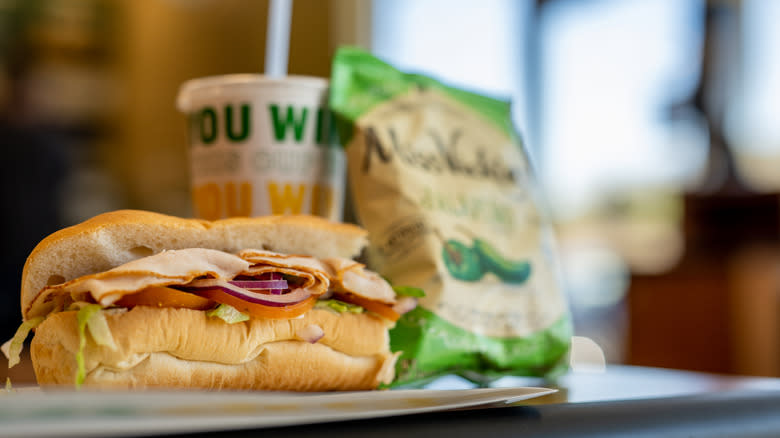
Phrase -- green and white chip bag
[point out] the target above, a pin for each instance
(439, 178)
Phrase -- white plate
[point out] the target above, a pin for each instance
(85, 413)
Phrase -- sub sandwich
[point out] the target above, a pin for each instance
(134, 299)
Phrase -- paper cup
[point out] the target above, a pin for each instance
(261, 146)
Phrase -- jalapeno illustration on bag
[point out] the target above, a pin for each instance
(461, 261)
(510, 271)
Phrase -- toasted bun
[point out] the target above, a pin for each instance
(118, 237)
(183, 348)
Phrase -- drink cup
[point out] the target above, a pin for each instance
(260, 146)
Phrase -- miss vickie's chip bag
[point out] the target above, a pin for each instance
(440, 179)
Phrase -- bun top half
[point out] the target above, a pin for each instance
(114, 238)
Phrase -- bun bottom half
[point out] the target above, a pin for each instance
(185, 353)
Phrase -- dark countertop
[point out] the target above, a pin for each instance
(618, 401)
(724, 414)
(611, 402)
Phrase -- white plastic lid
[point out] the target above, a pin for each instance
(213, 85)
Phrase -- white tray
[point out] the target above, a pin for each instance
(27, 412)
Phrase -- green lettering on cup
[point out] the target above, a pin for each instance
(281, 125)
(245, 125)
(208, 125)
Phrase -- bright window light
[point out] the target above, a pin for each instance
(477, 45)
(611, 70)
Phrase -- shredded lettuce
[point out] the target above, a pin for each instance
(409, 291)
(91, 317)
(227, 313)
(98, 328)
(13, 347)
(339, 306)
(82, 316)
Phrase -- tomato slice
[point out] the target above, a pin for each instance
(158, 296)
(381, 309)
(259, 310)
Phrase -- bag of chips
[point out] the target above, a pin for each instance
(439, 178)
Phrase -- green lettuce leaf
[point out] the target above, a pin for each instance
(90, 317)
(339, 306)
(409, 291)
(82, 317)
(98, 328)
(227, 313)
(13, 348)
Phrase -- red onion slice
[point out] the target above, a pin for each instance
(311, 333)
(260, 284)
(267, 299)
(405, 304)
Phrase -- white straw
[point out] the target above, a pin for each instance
(278, 37)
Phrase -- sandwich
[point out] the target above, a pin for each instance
(135, 299)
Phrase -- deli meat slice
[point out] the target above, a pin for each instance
(175, 267)
(313, 274)
(349, 276)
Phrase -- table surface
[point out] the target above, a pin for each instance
(618, 401)
(613, 401)
(618, 382)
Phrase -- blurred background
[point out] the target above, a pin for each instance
(654, 127)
